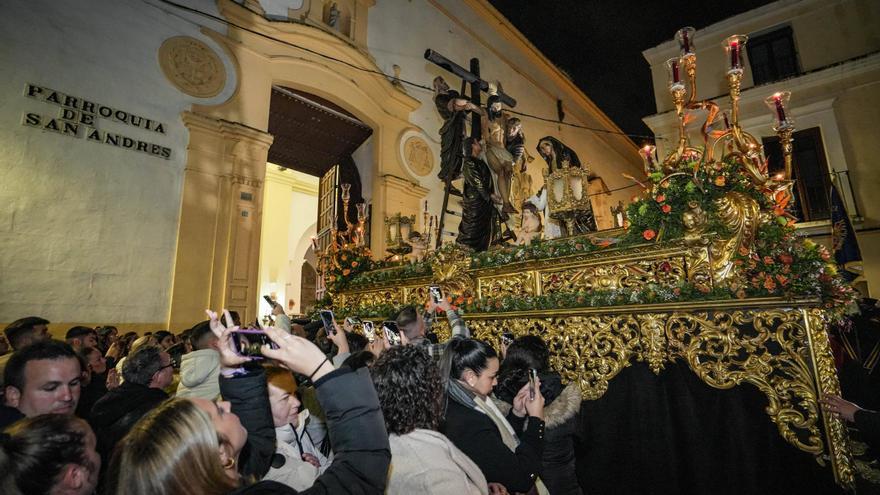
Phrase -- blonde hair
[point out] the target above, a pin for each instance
(173, 449)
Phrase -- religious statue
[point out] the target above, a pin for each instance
(453, 109)
(531, 225)
(480, 222)
(521, 181)
(499, 159)
(567, 180)
(556, 154)
(552, 230)
(419, 243)
(333, 16)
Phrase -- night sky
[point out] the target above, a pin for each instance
(599, 43)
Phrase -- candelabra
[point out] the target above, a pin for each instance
(352, 238)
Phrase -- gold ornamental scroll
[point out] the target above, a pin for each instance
(777, 346)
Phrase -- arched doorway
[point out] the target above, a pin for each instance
(219, 238)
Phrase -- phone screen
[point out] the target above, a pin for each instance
(436, 294)
(369, 331)
(392, 333)
(250, 342)
(533, 378)
(327, 319)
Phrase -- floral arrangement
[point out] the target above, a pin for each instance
(381, 275)
(648, 294)
(543, 249)
(349, 261)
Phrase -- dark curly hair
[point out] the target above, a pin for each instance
(525, 353)
(408, 383)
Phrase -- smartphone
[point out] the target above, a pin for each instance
(392, 333)
(436, 294)
(369, 331)
(533, 381)
(249, 343)
(270, 301)
(353, 320)
(507, 338)
(328, 319)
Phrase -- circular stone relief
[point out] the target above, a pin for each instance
(418, 156)
(192, 66)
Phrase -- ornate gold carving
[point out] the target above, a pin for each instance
(782, 351)
(192, 66)
(450, 268)
(517, 284)
(615, 276)
(740, 214)
(418, 156)
(827, 383)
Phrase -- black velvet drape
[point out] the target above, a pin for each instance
(673, 434)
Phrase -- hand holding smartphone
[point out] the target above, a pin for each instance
(392, 333)
(533, 380)
(369, 331)
(249, 343)
(436, 293)
(329, 321)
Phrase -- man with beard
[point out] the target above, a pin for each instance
(479, 222)
(453, 108)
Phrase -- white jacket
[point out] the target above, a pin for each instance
(425, 461)
(291, 444)
(200, 374)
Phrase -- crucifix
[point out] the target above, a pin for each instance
(455, 151)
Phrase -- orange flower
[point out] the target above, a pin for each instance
(459, 299)
(743, 251)
(649, 234)
(346, 272)
(786, 259)
(661, 198)
(769, 284)
(741, 294)
(354, 264)
(825, 254)
(666, 209)
(783, 280)
(720, 181)
(768, 260)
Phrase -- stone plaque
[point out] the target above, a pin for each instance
(418, 156)
(192, 66)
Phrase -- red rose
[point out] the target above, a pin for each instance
(649, 234)
(661, 198)
(666, 209)
(786, 259)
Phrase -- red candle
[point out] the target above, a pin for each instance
(726, 122)
(685, 43)
(675, 76)
(780, 110)
(734, 55)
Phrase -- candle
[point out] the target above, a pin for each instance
(780, 110)
(726, 122)
(676, 78)
(685, 37)
(734, 55)
(685, 42)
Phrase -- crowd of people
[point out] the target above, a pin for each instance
(318, 409)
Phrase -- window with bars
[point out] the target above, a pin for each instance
(809, 170)
(772, 56)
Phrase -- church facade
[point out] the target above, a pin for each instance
(137, 137)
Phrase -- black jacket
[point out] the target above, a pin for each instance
(477, 436)
(868, 423)
(118, 410)
(354, 422)
(561, 413)
(9, 415)
(90, 394)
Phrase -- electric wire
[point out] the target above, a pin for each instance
(378, 72)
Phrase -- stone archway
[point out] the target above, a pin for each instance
(219, 236)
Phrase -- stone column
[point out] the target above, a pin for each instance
(218, 238)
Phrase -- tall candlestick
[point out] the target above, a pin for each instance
(777, 103)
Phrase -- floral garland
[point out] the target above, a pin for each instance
(648, 294)
(543, 249)
(381, 275)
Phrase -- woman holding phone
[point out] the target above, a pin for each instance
(507, 449)
(205, 447)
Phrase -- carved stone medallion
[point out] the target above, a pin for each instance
(192, 66)
(418, 156)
